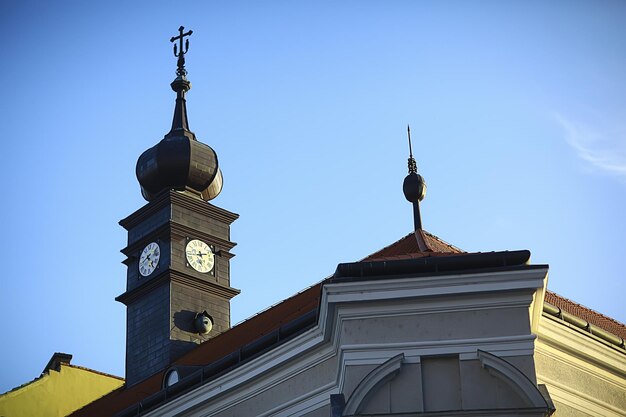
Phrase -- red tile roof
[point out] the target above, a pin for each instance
(408, 248)
(587, 314)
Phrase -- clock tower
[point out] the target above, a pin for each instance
(178, 253)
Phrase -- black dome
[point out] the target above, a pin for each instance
(414, 187)
(179, 161)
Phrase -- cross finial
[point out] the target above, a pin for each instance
(181, 71)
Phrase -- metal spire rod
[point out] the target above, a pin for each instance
(414, 187)
(180, 123)
(412, 163)
(408, 130)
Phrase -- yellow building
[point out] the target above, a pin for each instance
(61, 389)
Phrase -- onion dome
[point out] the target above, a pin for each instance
(180, 161)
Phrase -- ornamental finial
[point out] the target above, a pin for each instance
(412, 163)
(179, 161)
(180, 54)
(414, 186)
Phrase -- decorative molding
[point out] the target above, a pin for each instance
(350, 296)
(148, 286)
(423, 286)
(182, 231)
(161, 232)
(375, 353)
(172, 229)
(560, 392)
(430, 305)
(203, 207)
(203, 285)
(303, 404)
(536, 307)
(171, 197)
(372, 381)
(169, 275)
(582, 346)
(513, 377)
(150, 208)
(565, 359)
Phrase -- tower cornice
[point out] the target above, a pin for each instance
(181, 199)
(188, 280)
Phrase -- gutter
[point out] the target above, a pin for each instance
(432, 265)
(583, 325)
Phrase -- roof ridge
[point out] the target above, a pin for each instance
(409, 246)
(437, 238)
(83, 368)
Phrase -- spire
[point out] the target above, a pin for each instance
(414, 186)
(180, 123)
(179, 161)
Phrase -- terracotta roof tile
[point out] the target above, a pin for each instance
(407, 248)
(585, 313)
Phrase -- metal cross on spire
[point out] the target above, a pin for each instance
(180, 54)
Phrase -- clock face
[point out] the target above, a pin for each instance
(199, 256)
(149, 259)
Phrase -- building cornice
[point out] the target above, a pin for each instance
(584, 349)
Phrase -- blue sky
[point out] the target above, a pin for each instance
(517, 113)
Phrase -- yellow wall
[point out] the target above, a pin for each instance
(585, 376)
(57, 394)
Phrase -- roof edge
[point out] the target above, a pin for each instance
(461, 262)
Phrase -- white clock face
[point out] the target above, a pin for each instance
(149, 259)
(199, 256)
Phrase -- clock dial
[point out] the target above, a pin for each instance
(149, 259)
(199, 256)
